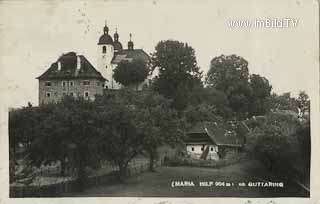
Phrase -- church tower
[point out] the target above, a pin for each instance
(105, 55)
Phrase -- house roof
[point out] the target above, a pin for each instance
(129, 55)
(207, 132)
(71, 66)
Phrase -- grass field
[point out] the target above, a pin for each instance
(158, 184)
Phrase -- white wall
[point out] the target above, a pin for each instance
(196, 151)
(104, 60)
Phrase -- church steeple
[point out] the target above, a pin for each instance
(116, 36)
(130, 43)
(105, 29)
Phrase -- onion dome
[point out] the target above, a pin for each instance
(116, 44)
(105, 39)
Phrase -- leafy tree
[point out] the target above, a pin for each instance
(200, 113)
(261, 92)
(66, 133)
(178, 71)
(283, 102)
(303, 102)
(230, 75)
(118, 136)
(225, 71)
(131, 73)
(273, 142)
(157, 124)
(211, 97)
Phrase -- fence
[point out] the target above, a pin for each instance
(69, 186)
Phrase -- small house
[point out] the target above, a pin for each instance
(208, 141)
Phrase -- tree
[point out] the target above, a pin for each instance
(261, 92)
(131, 73)
(157, 124)
(178, 71)
(67, 133)
(230, 75)
(225, 71)
(303, 102)
(283, 102)
(118, 137)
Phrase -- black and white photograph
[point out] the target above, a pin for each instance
(160, 99)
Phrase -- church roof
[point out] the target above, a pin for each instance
(71, 66)
(129, 55)
(105, 39)
(117, 46)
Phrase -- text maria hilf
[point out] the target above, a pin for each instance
(226, 184)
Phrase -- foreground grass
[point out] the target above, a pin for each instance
(158, 184)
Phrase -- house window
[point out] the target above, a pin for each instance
(71, 94)
(48, 94)
(86, 94)
(211, 149)
(86, 83)
(64, 83)
(47, 83)
(201, 148)
(71, 83)
(104, 49)
(192, 148)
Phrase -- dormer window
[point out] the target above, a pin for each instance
(104, 49)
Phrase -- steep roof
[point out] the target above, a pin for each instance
(71, 66)
(207, 132)
(129, 55)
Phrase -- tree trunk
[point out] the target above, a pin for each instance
(122, 171)
(63, 167)
(151, 162)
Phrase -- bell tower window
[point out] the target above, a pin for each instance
(104, 49)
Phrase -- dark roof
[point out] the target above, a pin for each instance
(69, 69)
(206, 132)
(130, 55)
(105, 39)
(117, 46)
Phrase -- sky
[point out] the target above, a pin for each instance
(33, 34)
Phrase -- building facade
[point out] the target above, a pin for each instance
(71, 75)
(74, 75)
(110, 53)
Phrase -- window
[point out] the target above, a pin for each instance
(71, 94)
(192, 148)
(211, 149)
(48, 94)
(71, 83)
(47, 83)
(86, 83)
(104, 49)
(86, 94)
(201, 148)
(64, 93)
(64, 83)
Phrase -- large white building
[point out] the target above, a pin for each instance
(111, 53)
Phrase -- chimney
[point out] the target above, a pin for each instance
(59, 65)
(78, 63)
